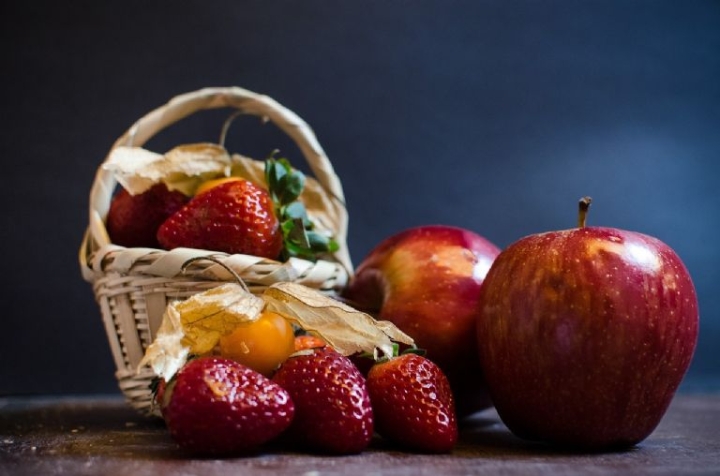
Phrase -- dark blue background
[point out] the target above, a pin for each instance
(494, 116)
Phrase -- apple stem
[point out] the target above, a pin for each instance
(583, 208)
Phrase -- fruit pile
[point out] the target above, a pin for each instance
(234, 377)
(236, 371)
(579, 337)
(231, 214)
(316, 401)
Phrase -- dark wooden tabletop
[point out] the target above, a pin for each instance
(102, 435)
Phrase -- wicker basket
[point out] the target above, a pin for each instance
(133, 286)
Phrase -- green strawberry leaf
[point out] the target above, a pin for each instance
(274, 173)
(284, 182)
(318, 242)
(297, 211)
(286, 185)
(295, 233)
(414, 350)
(290, 186)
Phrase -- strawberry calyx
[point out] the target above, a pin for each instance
(300, 239)
(379, 359)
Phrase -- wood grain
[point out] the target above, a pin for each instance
(103, 435)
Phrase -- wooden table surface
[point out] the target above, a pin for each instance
(103, 436)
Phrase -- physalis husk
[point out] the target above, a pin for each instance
(195, 326)
(182, 168)
(346, 329)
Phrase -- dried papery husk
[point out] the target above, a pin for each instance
(209, 315)
(195, 326)
(346, 329)
(166, 354)
(182, 168)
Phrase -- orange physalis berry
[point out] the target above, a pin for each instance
(261, 345)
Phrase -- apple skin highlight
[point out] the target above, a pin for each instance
(585, 335)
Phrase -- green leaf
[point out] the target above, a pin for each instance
(295, 233)
(296, 210)
(414, 350)
(290, 186)
(285, 163)
(274, 174)
(291, 249)
(285, 185)
(333, 246)
(317, 241)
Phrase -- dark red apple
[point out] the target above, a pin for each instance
(585, 335)
(427, 280)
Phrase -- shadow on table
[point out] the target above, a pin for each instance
(484, 434)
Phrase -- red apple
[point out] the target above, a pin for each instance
(426, 281)
(585, 335)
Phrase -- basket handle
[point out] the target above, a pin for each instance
(245, 101)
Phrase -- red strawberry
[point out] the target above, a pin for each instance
(133, 220)
(413, 404)
(233, 217)
(332, 408)
(215, 406)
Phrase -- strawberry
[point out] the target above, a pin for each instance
(233, 217)
(215, 406)
(413, 404)
(332, 407)
(133, 220)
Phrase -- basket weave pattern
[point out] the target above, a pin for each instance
(133, 286)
